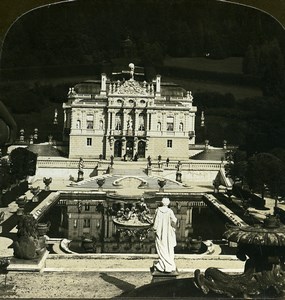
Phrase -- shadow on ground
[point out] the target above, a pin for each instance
(121, 284)
(184, 288)
(178, 288)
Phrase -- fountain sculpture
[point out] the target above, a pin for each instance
(262, 247)
(134, 221)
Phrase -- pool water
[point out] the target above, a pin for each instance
(87, 220)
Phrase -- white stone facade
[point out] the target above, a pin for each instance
(128, 119)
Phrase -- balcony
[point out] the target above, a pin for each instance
(140, 133)
(116, 132)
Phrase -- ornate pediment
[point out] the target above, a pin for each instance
(131, 87)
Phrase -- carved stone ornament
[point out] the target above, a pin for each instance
(262, 248)
(131, 87)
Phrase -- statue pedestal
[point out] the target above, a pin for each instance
(80, 176)
(160, 276)
(28, 265)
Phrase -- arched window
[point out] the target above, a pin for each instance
(180, 126)
(158, 126)
(78, 124)
(90, 121)
(101, 124)
(141, 122)
(130, 121)
(170, 123)
(118, 121)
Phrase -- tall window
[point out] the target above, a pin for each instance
(170, 123)
(141, 122)
(78, 124)
(158, 126)
(118, 121)
(169, 143)
(89, 141)
(180, 126)
(86, 223)
(101, 124)
(90, 121)
(87, 206)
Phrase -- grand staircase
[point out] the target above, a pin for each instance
(134, 168)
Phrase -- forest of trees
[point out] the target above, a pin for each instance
(88, 32)
(85, 37)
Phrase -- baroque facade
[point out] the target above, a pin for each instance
(129, 119)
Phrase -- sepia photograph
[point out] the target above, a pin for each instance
(142, 149)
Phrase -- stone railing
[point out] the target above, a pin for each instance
(69, 163)
(188, 166)
(65, 163)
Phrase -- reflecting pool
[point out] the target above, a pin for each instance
(88, 220)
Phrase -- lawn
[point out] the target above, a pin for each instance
(238, 91)
(232, 65)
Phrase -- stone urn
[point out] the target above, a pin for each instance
(195, 245)
(100, 182)
(35, 191)
(47, 182)
(262, 247)
(89, 245)
(161, 183)
(21, 201)
(43, 228)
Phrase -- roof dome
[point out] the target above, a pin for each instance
(211, 154)
(44, 149)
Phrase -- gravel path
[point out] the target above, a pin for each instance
(73, 284)
(97, 278)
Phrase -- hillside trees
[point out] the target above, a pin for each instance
(261, 172)
(236, 166)
(267, 62)
(22, 163)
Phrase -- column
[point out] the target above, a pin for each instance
(189, 216)
(147, 120)
(103, 84)
(163, 123)
(124, 123)
(123, 147)
(109, 123)
(158, 79)
(193, 121)
(136, 125)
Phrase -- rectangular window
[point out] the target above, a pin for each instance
(89, 141)
(169, 143)
(87, 206)
(89, 121)
(170, 123)
(86, 223)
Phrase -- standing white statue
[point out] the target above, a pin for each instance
(165, 241)
(132, 71)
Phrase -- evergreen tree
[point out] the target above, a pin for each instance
(271, 68)
(250, 66)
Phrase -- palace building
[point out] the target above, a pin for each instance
(126, 117)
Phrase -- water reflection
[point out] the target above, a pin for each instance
(87, 220)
